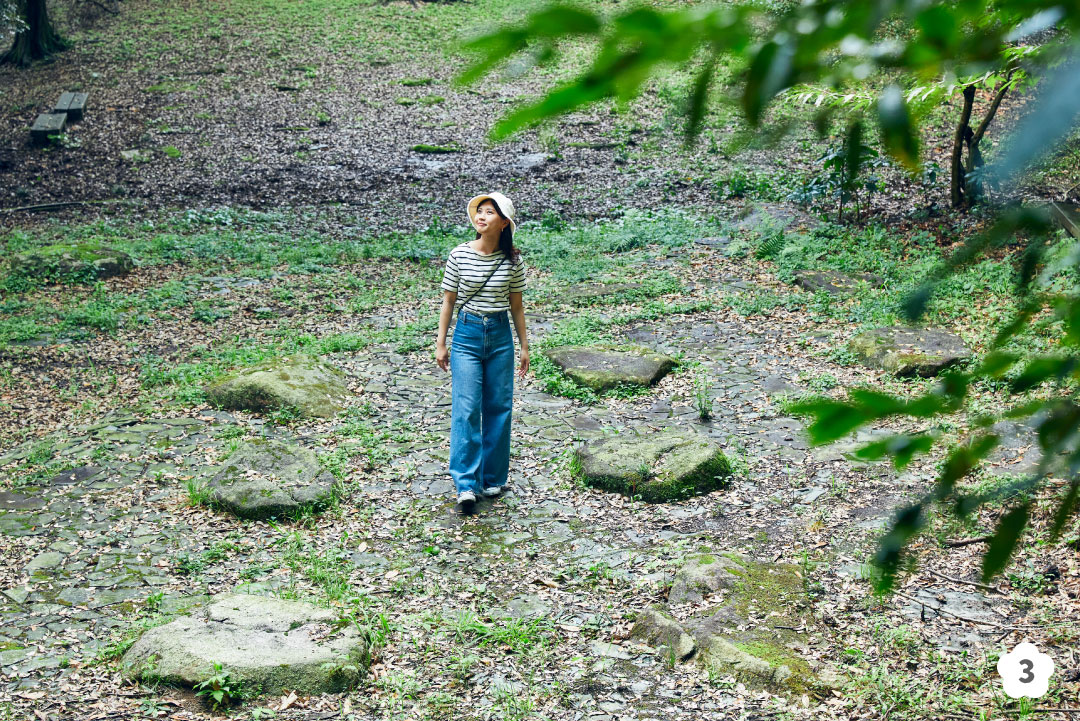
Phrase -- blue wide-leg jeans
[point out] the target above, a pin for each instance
(482, 396)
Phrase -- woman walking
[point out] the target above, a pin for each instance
(483, 281)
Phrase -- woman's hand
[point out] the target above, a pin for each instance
(523, 362)
(442, 356)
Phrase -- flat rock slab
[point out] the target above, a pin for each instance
(944, 605)
(904, 351)
(744, 626)
(670, 465)
(583, 295)
(265, 478)
(134, 155)
(75, 476)
(12, 501)
(271, 645)
(308, 385)
(603, 367)
(833, 282)
(754, 216)
(62, 260)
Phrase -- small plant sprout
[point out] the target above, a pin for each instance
(220, 689)
(702, 398)
(198, 493)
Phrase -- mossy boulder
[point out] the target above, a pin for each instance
(656, 627)
(269, 645)
(905, 351)
(602, 367)
(264, 478)
(745, 627)
(834, 282)
(669, 465)
(63, 261)
(701, 576)
(783, 216)
(307, 385)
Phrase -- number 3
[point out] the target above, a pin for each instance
(1028, 676)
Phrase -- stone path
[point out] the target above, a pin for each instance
(100, 547)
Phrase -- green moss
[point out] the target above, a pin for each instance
(764, 663)
(761, 654)
(73, 263)
(435, 149)
(775, 655)
(767, 588)
(905, 364)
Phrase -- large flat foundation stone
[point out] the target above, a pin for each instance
(603, 367)
(269, 644)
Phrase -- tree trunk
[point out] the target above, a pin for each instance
(963, 129)
(964, 192)
(975, 160)
(38, 41)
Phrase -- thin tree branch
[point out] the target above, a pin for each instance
(992, 110)
(968, 541)
(45, 206)
(987, 586)
(106, 9)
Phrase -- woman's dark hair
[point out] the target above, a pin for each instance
(506, 237)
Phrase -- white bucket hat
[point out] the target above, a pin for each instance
(504, 203)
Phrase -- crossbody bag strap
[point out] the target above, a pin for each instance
(473, 294)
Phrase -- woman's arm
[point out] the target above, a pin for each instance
(442, 355)
(517, 311)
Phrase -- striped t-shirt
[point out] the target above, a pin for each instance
(466, 270)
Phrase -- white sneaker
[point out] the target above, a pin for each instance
(492, 491)
(466, 499)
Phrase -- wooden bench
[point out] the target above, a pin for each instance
(72, 104)
(47, 124)
(1068, 216)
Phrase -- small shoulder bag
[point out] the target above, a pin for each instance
(473, 294)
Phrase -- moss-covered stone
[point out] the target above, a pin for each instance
(264, 478)
(748, 631)
(702, 575)
(833, 282)
(762, 664)
(909, 351)
(601, 367)
(268, 644)
(86, 261)
(309, 385)
(656, 627)
(670, 465)
(732, 637)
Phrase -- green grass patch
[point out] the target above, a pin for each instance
(435, 149)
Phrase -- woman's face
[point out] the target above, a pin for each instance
(488, 220)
